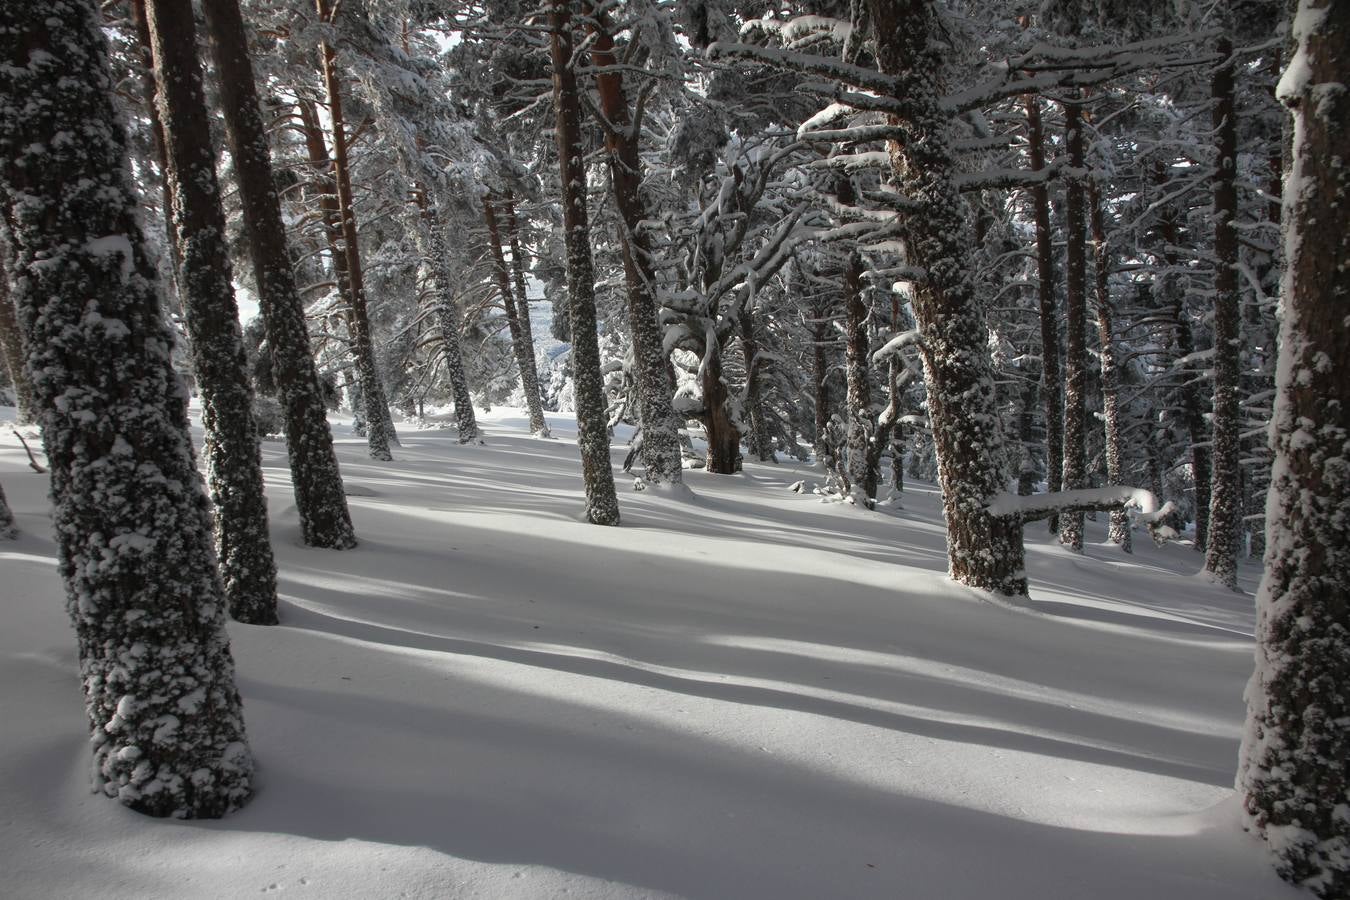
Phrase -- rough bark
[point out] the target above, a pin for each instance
(859, 398)
(984, 551)
(1075, 329)
(132, 520)
(602, 506)
(319, 497)
(1052, 387)
(8, 530)
(759, 439)
(1119, 530)
(447, 319)
(660, 427)
(230, 446)
(1225, 497)
(380, 434)
(12, 346)
(530, 375)
(1294, 771)
(524, 350)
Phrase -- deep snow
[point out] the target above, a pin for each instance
(747, 694)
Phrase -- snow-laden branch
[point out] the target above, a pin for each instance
(1043, 506)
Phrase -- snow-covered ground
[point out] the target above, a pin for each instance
(750, 694)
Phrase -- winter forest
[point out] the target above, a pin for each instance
(704, 449)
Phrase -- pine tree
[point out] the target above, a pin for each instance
(1294, 770)
(132, 520)
(602, 505)
(1075, 328)
(11, 346)
(319, 498)
(233, 462)
(8, 530)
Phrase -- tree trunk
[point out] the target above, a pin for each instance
(12, 346)
(983, 550)
(8, 530)
(761, 443)
(1189, 393)
(1225, 498)
(859, 402)
(233, 461)
(380, 434)
(1052, 387)
(524, 351)
(447, 318)
(724, 435)
(1075, 343)
(1294, 770)
(132, 521)
(660, 426)
(1101, 264)
(319, 497)
(530, 375)
(602, 506)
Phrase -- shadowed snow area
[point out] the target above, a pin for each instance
(743, 694)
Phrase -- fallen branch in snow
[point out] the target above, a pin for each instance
(33, 463)
(1033, 507)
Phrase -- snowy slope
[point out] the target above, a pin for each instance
(750, 694)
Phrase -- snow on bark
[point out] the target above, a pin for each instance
(1075, 329)
(380, 432)
(1294, 768)
(1225, 496)
(529, 376)
(132, 520)
(602, 505)
(522, 348)
(447, 321)
(859, 397)
(315, 476)
(230, 446)
(1052, 386)
(11, 346)
(8, 530)
(984, 551)
(1119, 530)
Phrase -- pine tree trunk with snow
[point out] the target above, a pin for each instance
(602, 505)
(1075, 324)
(524, 351)
(447, 320)
(983, 550)
(230, 446)
(1225, 497)
(380, 433)
(132, 520)
(660, 426)
(319, 498)
(1294, 770)
(12, 346)
(530, 376)
(8, 530)
(1119, 530)
(761, 443)
(859, 401)
(1052, 387)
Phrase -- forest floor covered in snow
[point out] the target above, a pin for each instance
(746, 694)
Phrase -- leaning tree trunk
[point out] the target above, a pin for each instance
(12, 346)
(447, 317)
(1225, 496)
(319, 497)
(530, 377)
(1101, 258)
(660, 427)
(983, 550)
(524, 351)
(233, 461)
(133, 523)
(1052, 388)
(1294, 770)
(602, 506)
(1075, 342)
(380, 433)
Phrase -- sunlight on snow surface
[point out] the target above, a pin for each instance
(747, 694)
